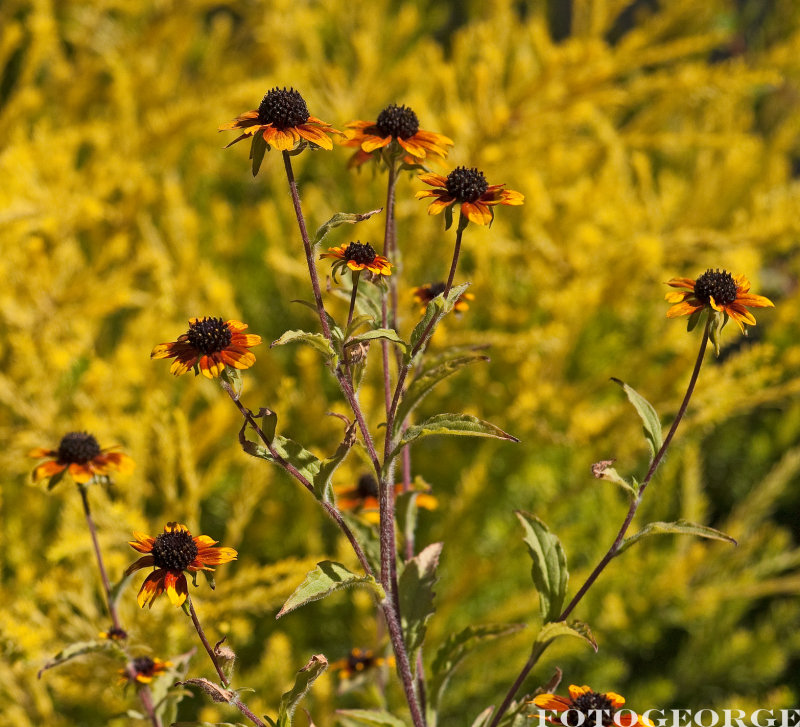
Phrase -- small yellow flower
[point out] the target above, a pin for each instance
(79, 454)
(171, 553)
(469, 188)
(283, 120)
(591, 705)
(143, 669)
(717, 290)
(357, 256)
(424, 294)
(359, 661)
(396, 125)
(114, 634)
(209, 346)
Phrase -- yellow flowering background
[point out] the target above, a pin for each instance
(649, 143)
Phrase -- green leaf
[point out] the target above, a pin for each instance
(648, 415)
(549, 569)
(257, 149)
(341, 218)
(79, 648)
(388, 333)
(325, 579)
(322, 479)
(456, 648)
(331, 322)
(434, 312)
(315, 340)
(370, 717)
(427, 379)
(462, 425)
(416, 597)
(551, 631)
(302, 683)
(680, 527)
(367, 536)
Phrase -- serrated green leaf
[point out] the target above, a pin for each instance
(370, 717)
(679, 527)
(434, 312)
(551, 631)
(416, 597)
(341, 218)
(455, 649)
(79, 648)
(302, 683)
(257, 149)
(423, 383)
(648, 415)
(461, 425)
(325, 579)
(315, 340)
(549, 569)
(388, 333)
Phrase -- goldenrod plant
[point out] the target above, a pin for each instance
(469, 215)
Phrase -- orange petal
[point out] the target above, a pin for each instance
(47, 469)
(163, 350)
(176, 587)
(246, 339)
(512, 198)
(281, 140)
(435, 207)
(617, 700)
(371, 143)
(681, 283)
(151, 589)
(143, 543)
(754, 301)
(682, 309)
(435, 180)
(39, 452)
(676, 296)
(215, 556)
(575, 691)
(81, 472)
(412, 148)
(143, 562)
(315, 136)
(122, 462)
(552, 701)
(742, 283)
(476, 212)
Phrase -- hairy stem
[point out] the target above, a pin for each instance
(203, 638)
(146, 698)
(615, 546)
(353, 295)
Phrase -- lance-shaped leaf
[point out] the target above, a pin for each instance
(257, 149)
(549, 569)
(679, 527)
(370, 717)
(423, 383)
(79, 648)
(322, 479)
(325, 579)
(387, 333)
(315, 340)
(434, 312)
(461, 425)
(302, 683)
(342, 218)
(648, 415)
(416, 597)
(455, 649)
(367, 536)
(551, 631)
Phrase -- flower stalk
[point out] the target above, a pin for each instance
(189, 608)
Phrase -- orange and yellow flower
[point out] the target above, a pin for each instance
(209, 346)
(717, 290)
(359, 661)
(583, 701)
(357, 256)
(114, 633)
(171, 553)
(424, 294)
(397, 127)
(143, 669)
(79, 454)
(363, 498)
(469, 188)
(283, 120)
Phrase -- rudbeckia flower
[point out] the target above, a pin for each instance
(79, 454)
(469, 188)
(398, 124)
(583, 701)
(717, 290)
(357, 256)
(143, 669)
(210, 345)
(358, 661)
(283, 120)
(426, 293)
(363, 498)
(171, 553)
(114, 634)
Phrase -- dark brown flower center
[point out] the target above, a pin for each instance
(436, 289)
(717, 283)
(590, 704)
(360, 252)
(144, 665)
(398, 121)
(174, 550)
(367, 486)
(466, 185)
(116, 634)
(283, 108)
(209, 335)
(78, 448)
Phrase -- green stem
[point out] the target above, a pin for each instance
(204, 640)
